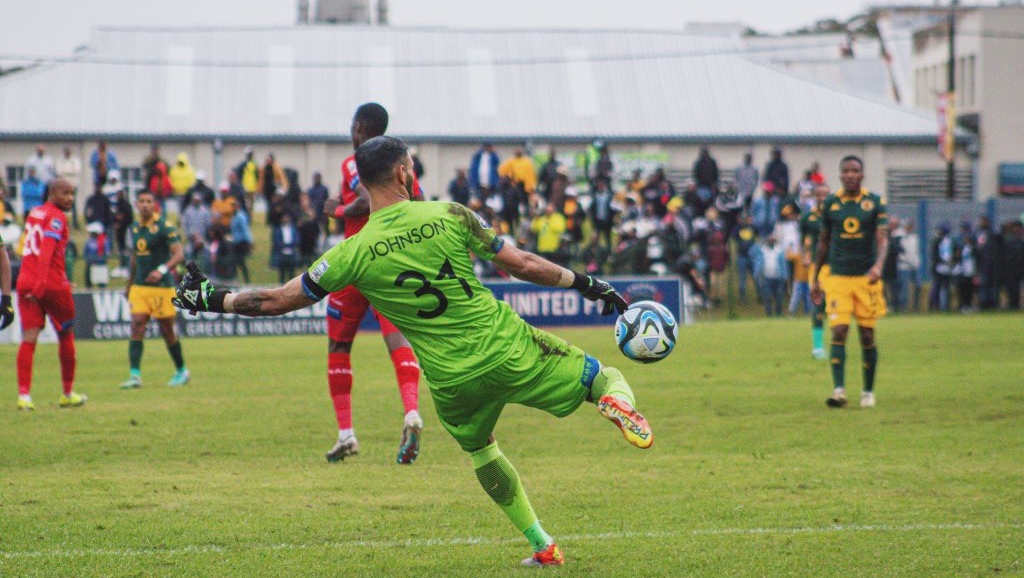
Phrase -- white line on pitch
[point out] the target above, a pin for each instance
(423, 543)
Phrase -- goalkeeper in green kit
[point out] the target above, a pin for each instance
(412, 261)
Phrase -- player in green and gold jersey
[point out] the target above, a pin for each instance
(854, 240)
(156, 251)
(412, 261)
(810, 230)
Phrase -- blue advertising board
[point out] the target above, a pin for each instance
(554, 307)
(1011, 178)
(107, 314)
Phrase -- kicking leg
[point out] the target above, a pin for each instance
(615, 401)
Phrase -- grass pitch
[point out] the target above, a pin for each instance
(750, 474)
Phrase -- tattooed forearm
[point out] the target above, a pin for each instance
(267, 302)
(253, 303)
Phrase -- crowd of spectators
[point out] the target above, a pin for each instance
(970, 267)
(215, 226)
(719, 223)
(645, 225)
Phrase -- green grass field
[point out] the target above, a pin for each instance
(750, 475)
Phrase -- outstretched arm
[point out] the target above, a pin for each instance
(535, 269)
(195, 293)
(269, 302)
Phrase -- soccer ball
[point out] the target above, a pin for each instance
(646, 332)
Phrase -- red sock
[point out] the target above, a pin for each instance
(339, 382)
(407, 370)
(66, 352)
(25, 354)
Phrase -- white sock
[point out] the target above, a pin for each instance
(346, 433)
(413, 418)
(25, 397)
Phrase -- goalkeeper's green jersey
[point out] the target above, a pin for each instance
(412, 262)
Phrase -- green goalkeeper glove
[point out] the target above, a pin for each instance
(195, 292)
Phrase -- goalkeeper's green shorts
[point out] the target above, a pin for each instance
(545, 372)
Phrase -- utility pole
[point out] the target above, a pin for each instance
(951, 103)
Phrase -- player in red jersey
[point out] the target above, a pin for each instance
(346, 309)
(44, 290)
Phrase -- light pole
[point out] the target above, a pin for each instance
(951, 103)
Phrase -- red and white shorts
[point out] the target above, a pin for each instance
(345, 311)
(57, 304)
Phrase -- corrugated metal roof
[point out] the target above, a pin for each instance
(302, 83)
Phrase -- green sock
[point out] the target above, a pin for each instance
(501, 482)
(135, 356)
(818, 338)
(870, 358)
(838, 357)
(175, 351)
(539, 539)
(609, 381)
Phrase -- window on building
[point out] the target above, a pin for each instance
(920, 88)
(970, 82)
(961, 87)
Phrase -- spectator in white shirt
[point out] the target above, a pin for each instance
(69, 168)
(43, 164)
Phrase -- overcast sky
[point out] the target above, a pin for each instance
(56, 27)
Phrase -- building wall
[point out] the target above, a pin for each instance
(1001, 101)
(989, 65)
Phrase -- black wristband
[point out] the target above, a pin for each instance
(215, 303)
(5, 301)
(580, 282)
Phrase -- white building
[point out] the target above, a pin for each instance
(293, 90)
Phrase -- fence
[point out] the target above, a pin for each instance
(927, 215)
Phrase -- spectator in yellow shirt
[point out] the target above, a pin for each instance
(224, 208)
(182, 175)
(248, 177)
(521, 171)
(549, 228)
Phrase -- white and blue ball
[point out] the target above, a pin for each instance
(646, 332)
